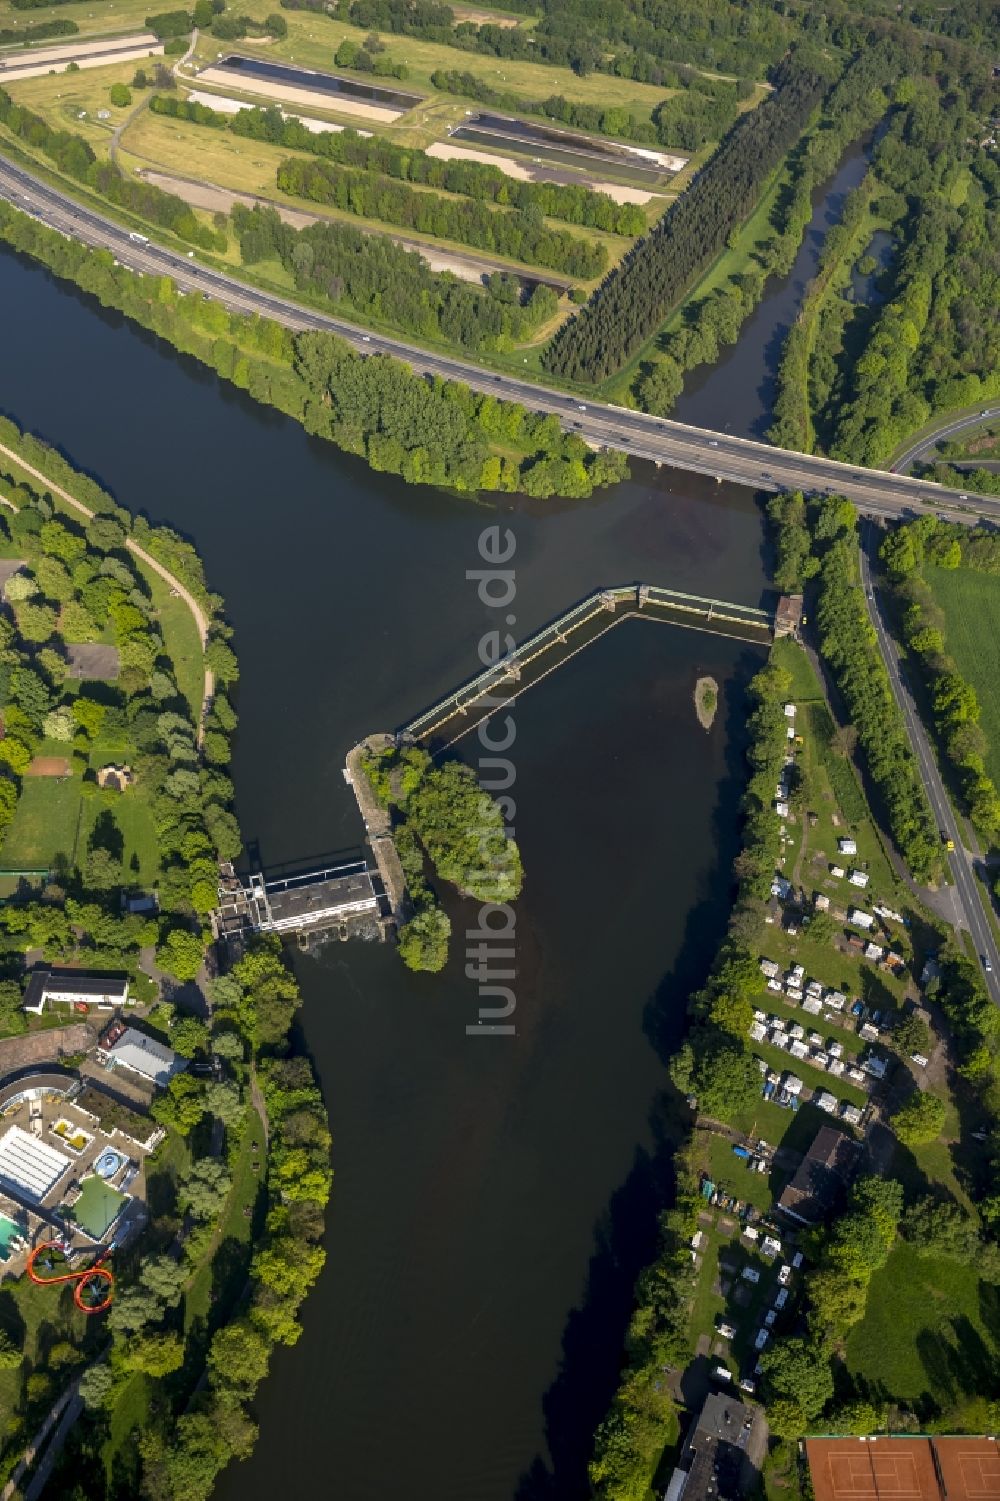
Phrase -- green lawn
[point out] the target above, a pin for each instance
(45, 824)
(930, 1333)
(971, 604)
(98, 1206)
(36, 1319)
(235, 1226)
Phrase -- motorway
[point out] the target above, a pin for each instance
(967, 907)
(702, 451)
(930, 440)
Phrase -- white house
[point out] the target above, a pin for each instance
(126, 1047)
(781, 809)
(769, 967)
(859, 919)
(847, 846)
(858, 878)
(838, 872)
(875, 1066)
(821, 902)
(789, 711)
(825, 1100)
(850, 1113)
(74, 987)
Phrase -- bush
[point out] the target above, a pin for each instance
(119, 95)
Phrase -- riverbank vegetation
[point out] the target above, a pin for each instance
(766, 243)
(439, 433)
(918, 1237)
(101, 681)
(857, 378)
(820, 541)
(443, 814)
(946, 591)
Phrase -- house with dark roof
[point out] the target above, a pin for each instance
(723, 1452)
(75, 987)
(822, 1177)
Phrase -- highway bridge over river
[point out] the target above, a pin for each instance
(720, 455)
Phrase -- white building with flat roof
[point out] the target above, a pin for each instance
(28, 1165)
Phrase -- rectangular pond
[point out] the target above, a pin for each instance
(568, 149)
(316, 83)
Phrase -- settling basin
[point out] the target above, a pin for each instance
(236, 64)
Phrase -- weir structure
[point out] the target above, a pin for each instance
(569, 633)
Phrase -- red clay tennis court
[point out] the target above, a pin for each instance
(970, 1468)
(851, 1469)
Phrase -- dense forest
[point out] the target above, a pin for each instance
(380, 280)
(635, 297)
(572, 202)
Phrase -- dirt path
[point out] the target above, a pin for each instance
(472, 268)
(200, 618)
(134, 114)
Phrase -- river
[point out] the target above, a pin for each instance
(740, 386)
(494, 1197)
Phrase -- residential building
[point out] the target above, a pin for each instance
(74, 987)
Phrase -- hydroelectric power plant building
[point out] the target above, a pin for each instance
(311, 900)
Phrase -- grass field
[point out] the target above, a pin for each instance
(45, 824)
(36, 1319)
(234, 1229)
(971, 603)
(95, 19)
(930, 1335)
(62, 98)
(312, 41)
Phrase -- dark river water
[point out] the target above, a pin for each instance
(494, 1196)
(737, 393)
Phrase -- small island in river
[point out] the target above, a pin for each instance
(706, 701)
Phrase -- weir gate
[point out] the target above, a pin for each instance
(571, 632)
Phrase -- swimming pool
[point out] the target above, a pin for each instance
(108, 1163)
(8, 1229)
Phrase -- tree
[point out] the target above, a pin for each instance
(204, 1188)
(164, 1277)
(221, 659)
(10, 1355)
(155, 1354)
(189, 1036)
(96, 1385)
(20, 587)
(102, 871)
(35, 622)
(181, 1105)
(919, 1119)
(238, 1358)
(939, 1227)
(423, 941)
(119, 95)
(133, 1310)
(797, 1371)
(180, 954)
(229, 1044)
(59, 724)
(223, 1101)
(912, 1035)
(12, 1017)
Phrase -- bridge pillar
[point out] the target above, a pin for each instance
(608, 601)
(513, 673)
(642, 595)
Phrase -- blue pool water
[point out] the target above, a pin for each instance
(108, 1163)
(8, 1229)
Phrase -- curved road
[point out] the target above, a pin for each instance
(918, 449)
(740, 460)
(966, 901)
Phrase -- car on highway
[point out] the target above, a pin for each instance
(987, 964)
(713, 442)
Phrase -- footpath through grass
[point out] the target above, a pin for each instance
(971, 604)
